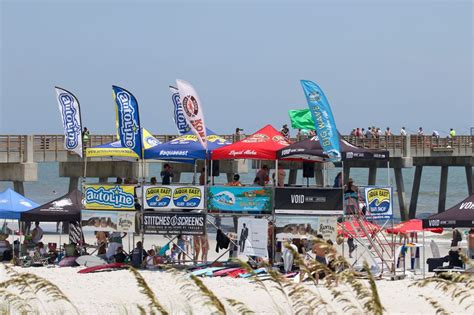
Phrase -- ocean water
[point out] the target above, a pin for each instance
(50, 186)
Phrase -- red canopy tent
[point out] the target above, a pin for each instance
(261, 145)
(347, 228)
(413, 225)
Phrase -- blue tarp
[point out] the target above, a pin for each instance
(12, 204)
(185, 148)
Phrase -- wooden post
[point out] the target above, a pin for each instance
(372, 175)
(401, 193)
(443, 185)
(469, 179)
(415, 191)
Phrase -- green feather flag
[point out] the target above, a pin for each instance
(301, 119)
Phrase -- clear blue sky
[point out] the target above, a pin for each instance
(383, 63)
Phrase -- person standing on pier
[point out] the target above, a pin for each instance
(403, 132)
(166, 174)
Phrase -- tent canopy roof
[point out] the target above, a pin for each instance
(65, 208)
(310, 149)
(12, 204)
(460, 215)
(261, 145)
(186, 148)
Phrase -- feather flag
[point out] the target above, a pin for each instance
(179, 118)
(71, 116)
(323, 119)
(192, 110)
(128, 119)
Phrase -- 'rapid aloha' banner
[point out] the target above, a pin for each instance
(173, 197)
(109, 197)
(128, 120)
(378, 200)
(323, 119)
(71, 116)
(179, 118)
(192, 110)
(257, 200)
(97, 220)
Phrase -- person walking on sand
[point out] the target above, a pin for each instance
(37, 233)
(470, 240)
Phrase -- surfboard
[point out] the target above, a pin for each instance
(90, 261)
(106, 267)
(255, 272)
(236, 273)
(224, 272)
(204, 271)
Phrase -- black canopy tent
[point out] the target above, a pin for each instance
(460, 215)
(65, 208)
(310, 149)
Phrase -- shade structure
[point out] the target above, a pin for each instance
(310, 149)
(352, 228)
(413, 225)
(65, 208)
(261, 145)
(460, 215)
(12, 204)
(115, 149)
(186, 148)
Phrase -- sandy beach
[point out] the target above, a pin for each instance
(117, 292)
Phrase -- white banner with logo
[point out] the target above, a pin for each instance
(170, 197)
(252, 238)
(192, 110)
(98, 220)
(305, 227)
(71, 118)
(378, 202)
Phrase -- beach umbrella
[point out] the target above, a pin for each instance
(413, 225)
(352, 228)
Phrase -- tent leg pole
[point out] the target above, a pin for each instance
(343, 208)
(424, 254)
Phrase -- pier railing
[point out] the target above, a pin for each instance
(51, 147)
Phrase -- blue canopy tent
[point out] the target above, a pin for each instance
(186, 148)
(12, 204)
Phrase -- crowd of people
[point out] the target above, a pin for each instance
(376, 132)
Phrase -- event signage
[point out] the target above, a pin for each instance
(192, 110)
(318, 201)
(252, 237)
(97, 220)
(305, 227)
(128, 120)
(109, 197)
(179, 118)
(71, 117)
(378, 201)
(174, 197)
(323, 119)
(240, 199)
(173, 223)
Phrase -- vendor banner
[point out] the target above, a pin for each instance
(192, 110)
(300, 200)
(128, 120)
(179, 118)
(109, 197)
(172, 223)
(378, 202)
(252, 237)
(71, 117)
(97, 220)
(173, 197)
(323, 119)
(305, 227)
(234, 199)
